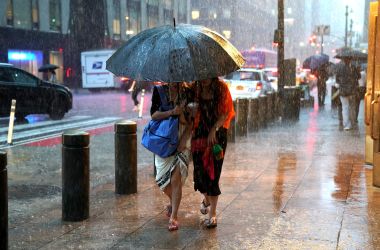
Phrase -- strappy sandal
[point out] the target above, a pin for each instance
(211, 223)
(168, 211)
(173, 225)
(204, 208)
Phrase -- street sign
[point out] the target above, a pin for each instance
(322, 30)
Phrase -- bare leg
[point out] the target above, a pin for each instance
(176, 185)
(214, 202)
(168, 191)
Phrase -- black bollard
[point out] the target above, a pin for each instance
(125, 157)
(253, 117)
(75, 175)
(292, 103)
(263, 111)
(3, 201)
(232, 130)
(242, 117)
(270, 116)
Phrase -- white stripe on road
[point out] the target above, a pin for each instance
(58, 129)
(44, 123)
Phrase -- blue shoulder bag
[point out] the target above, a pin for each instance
(161, 136)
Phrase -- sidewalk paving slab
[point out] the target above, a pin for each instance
(295, 186)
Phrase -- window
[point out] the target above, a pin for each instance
(55, 15)
(23, 77)
(35, 17)
(152, 13)
(182, 12)
(116, 19)
(255, 76)
(21, 14)
(168, 16)
(134, 18)
(168, 12)
(10, 13)
(5, 75)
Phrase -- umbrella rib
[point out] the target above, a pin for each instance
(187, 42)
(152, 48)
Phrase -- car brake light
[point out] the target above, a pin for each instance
(259, 86)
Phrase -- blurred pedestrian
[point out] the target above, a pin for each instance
(209, 141)
(322, 76)
(347, 76)
(361, 91)
(135, 89)
(172, 171)
(52, 76)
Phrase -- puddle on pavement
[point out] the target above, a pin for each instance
(16, 192)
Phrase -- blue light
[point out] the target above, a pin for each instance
(22, 56)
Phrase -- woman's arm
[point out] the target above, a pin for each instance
(212, 134)
(185, 137)
(159, 115)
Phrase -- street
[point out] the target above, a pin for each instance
(90, 110)
(297, 186)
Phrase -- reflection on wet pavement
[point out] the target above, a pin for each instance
(299, 186)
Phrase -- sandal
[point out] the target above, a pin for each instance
(173, 225)
(211, 223)
(204, 208)
(168, 211)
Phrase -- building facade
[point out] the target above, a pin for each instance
(245, 23)
(35, 32)
(251, 24)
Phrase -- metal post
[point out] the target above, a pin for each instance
(3, 201)
(346, 28)
(125, 157)
(141, 106)
(351, 22)
(241, 117)
(263, 109)
(281, 50)
(322, 43)
(75, 175)
(232, 130)
(253, 118)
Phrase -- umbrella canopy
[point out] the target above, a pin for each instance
(48, 67)
(355, 55)
(181, 53)
(315, 61)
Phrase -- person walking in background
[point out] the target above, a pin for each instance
(209, 141)
(52, 76)
(135, 90)
(322, 76)
(172, 171)
(361, 91)
(347, 77)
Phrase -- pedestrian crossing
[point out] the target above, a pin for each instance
(24, 133)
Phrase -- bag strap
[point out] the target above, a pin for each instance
(164, 99)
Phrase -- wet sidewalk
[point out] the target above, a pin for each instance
(296, 186)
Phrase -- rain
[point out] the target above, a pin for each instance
(299, 146)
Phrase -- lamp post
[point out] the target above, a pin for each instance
(281, 50)
(346, 28)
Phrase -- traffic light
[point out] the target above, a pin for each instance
(313, 40)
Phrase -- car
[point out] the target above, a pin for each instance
(248, 83)
(272, 74)
(32, 95)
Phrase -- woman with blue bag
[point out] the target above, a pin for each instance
(169, 102)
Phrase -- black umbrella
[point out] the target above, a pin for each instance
(315, 61)
(48, 67)
(182, 53)
(350, 53)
